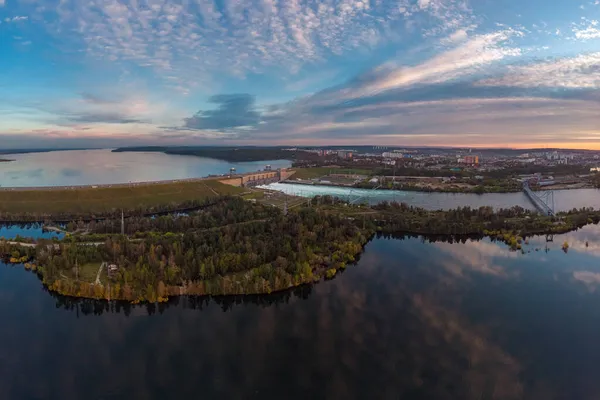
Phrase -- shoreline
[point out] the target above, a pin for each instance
(213, 287)
(241, 246)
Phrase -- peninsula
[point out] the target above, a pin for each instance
(230, 240)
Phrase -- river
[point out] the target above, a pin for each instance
(563, 199)
(95, 167)
(411, 319)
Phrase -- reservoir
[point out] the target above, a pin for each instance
(95, 167)
(411, 319)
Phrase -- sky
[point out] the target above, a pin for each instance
(476, 73)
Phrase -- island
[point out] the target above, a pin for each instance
(5, 160)
(152, 241)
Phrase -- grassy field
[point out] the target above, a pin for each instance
(102, 199)
(317, 172)
(87, 272)
(254, 194)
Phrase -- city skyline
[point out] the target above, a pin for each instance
(455, 73)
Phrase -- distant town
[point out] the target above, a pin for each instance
(554, 168)
(435, 159)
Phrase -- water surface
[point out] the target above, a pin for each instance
(89, 167)
(411, 320)
(34, 231)
(563, 199)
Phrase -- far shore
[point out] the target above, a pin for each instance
(434, 188)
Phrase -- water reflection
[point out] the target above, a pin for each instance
(86, 307)
(412, 319)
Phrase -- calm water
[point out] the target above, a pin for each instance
(87, 167)
(32, 231)
(563, 199)
(411, 320)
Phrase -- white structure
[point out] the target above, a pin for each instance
(388, 154)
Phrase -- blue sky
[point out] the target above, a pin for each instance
(515, 73)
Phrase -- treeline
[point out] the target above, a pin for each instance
(477, 186)
(66, 217)
(398, 217)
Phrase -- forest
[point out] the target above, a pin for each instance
(233, 247)
(237, 247)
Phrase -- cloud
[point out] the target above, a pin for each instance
(591, 279)
(18, 18)
(95, 99)
(233, 111)
(465, 59)
(107, 118)
(591, 32)
(443, 99)
(445, 75)
(586, 29)
(2, 3)
(580, 72)
(186, 41)
(92, 109)
(183, 43)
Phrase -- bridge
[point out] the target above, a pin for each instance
(542, 201)
(361, 198)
